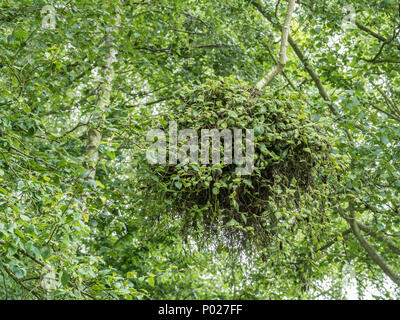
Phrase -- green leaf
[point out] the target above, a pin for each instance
(65, 277)
(46, 252)
(151, 281)
(178, 185)
(100, 184)
(258, 131)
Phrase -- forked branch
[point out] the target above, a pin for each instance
(282, 54)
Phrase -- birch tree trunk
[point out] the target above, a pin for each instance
(94, 135)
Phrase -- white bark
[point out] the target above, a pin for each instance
(94, 135)
(284, 43)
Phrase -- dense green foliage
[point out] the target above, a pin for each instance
(76, 102)
(294, 172)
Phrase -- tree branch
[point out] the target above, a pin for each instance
(389, 243)
(371, 32)
(282, 55)
(299, 54)
(8, 271)
(375, 256)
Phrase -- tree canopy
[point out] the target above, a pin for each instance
(84, 216)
